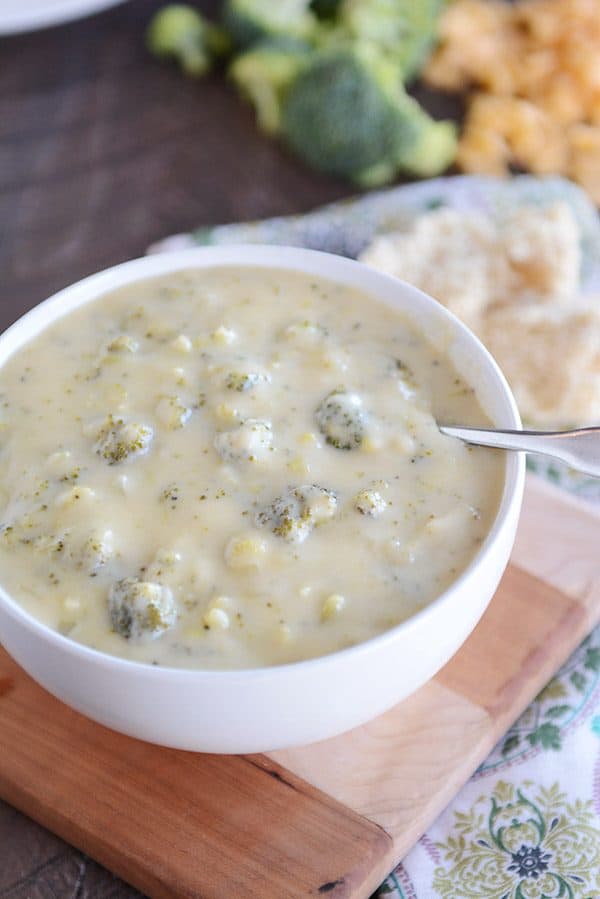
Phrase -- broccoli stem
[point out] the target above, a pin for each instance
(181, 32)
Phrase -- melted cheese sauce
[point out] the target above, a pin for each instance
(231, 468)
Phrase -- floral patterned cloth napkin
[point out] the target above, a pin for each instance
(527, 824)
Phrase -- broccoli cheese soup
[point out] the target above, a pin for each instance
(235, 467)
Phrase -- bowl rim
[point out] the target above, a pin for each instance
(286, 258)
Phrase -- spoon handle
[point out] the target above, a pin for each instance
(580, 449)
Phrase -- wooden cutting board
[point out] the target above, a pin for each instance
(331, 819)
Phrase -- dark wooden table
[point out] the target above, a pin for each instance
(102, 152)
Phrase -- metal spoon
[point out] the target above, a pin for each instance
(580, 449)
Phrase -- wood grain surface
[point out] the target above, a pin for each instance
(103, 150)
(177, 824)
(332, 818)
(401, 769)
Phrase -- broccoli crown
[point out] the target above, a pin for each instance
(433, 148)
(337, 117)
(347, 113)
(263, 74)
(402, 29)
(249, 21)
(325, 74)
(181, 32)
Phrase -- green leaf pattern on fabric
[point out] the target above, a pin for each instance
(521, 843)
(558, 706)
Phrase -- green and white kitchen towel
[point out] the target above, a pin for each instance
(527, 824)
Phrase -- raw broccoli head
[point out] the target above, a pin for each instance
(181, 32)
(336, 116)
(250, 21)
(434, 145)
(347, 113)
(402, 29)
(264, 73)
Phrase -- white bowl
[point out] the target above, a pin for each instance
(17, 16)
(271, 708)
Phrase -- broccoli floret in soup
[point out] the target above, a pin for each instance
(140, 608)
(341, 419)
(119, 440)
(249, 441)
(295, 514)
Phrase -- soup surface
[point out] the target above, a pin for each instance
(226, 468)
